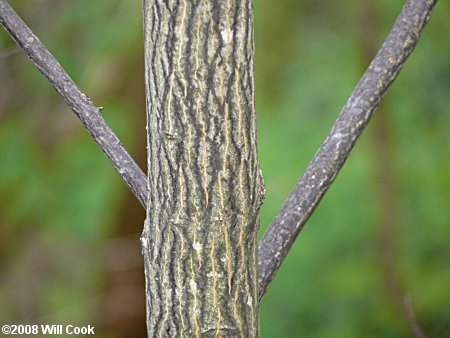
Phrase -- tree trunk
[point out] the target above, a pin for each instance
(205, 187)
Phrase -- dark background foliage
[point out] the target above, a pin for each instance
(69, 228)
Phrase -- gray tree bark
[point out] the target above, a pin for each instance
(205, 186)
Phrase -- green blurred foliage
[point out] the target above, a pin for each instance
(60, 198)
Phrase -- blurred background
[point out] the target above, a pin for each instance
(373, 261)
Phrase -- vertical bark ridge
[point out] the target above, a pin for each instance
(205, 186)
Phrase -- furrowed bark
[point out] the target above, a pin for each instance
(80, 103)
(205, 187)
(339, 143)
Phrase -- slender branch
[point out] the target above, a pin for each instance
(336, 148)
(82, 106)
(409, 309)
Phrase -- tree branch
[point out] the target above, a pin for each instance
(82, 106)
(349, 125)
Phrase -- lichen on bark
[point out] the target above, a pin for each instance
(205, 187)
